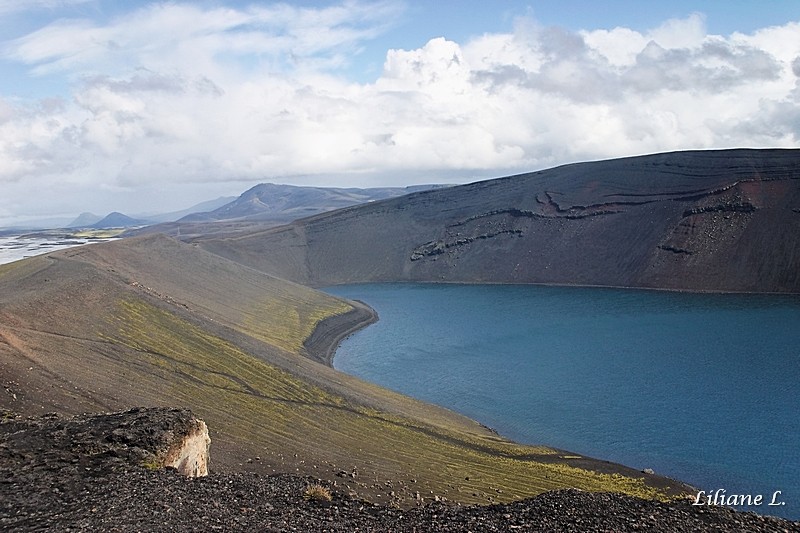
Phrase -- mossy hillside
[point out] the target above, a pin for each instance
(287, 321)
(256, 406)
(98, 233)
(153, 322)
(278, 312)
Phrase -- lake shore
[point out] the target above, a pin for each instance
(322, 344)
(401, 355)
(329, 333)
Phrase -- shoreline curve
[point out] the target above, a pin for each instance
(329, 333)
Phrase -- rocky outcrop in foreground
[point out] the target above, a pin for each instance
(154, 438)
(97, 473)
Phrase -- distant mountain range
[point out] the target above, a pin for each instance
(120, 220)
(85, 220)
(717, 220)
(202, 207)
(270, 204)
(117, 220)
(270, 201)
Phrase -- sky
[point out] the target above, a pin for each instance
(145, 107)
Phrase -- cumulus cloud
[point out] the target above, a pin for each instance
(177, 93)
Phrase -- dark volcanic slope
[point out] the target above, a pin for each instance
(704, 220)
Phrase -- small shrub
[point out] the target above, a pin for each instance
(152, 463)
(317, 493)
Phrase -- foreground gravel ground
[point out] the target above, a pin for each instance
(164, 501)
(82, 474)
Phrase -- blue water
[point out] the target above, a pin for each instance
(702, 388)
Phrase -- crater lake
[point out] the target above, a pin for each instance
(704, 388)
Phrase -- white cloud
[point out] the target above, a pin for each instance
(187, 36)
(175, 93)
(18, 6)
(618, 46)
(681, 33)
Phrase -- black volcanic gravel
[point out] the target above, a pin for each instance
(52, 478)
(141, 500)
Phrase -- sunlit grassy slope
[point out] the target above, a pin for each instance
(98, 233)
(154, 322)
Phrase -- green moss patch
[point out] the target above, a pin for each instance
(262, 409)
